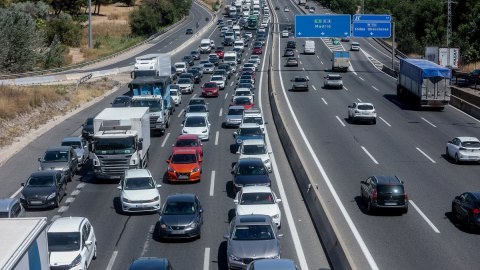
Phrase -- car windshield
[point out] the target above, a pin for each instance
(186, 143)
(257, 48)
(257, 198)
(216, 78)
(74, 144)
(365, 107)
(242, 101)
(55, 156)
(254, 120)
(215, 57)
(63, 241)
(243, 93)
(300, 79)
(334, 78)
(173, 93)
(209, 65)
(154, 105)
(181, 66)
(110, 146)
(196, 108)
(218, 72)
(183, 159)
(179, 208)
(253, 232)
(249, 131)
(245, 85)
(387, 189)
(119, 101)
(235, 111)
(195, 122)
(40, 181)
(139, 183)
(251, 170)
(254, 149)
(184, 81)
(210, 85)
(472, 144)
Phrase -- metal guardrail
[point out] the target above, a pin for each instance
(83, 79)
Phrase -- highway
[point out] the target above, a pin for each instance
(121, 237)
(405, 142)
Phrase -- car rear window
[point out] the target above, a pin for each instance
(365, 107)
(471, 144)
(390, 189)
(300, 79)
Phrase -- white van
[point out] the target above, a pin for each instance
(309, 47)
(205, 46)
(355, 46)
(236, 29)
(239, 44)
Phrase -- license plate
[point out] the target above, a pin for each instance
(182, 177)
(115, 177)
(177, 232)
(209, 93)
(390, 203)
(35, 202)
(365, 113)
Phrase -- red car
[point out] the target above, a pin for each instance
(220, 53)
(188, 142)
(210, 89)
(245, 102)
(257, 50)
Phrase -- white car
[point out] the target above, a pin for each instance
(139, 192)
(242, 92)
(258, 200)
(208, 68)
(286, 9)
(249, 34)
(240, 44)
(196, 110)
(264, 24)
(362, 111)
(464, 149)
(186, 85)
(71, 243)
(255, 148)
(176, 96)
(80, 145)
(197, 125)
(256, 57)
(254, 62)
(181, 67)
(255, 116)
(252, 65)
(219, 79)
(285, 33)
(261, 29)
(311, 10)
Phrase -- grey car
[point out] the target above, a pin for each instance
(60, 158)
(299, 83)
(43, 189)
(251, 237)
(11, 208)
(333, 81)
(180, 217)
(80, 145)
(234, 116)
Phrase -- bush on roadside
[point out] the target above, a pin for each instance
(55, 55)
(69, 32)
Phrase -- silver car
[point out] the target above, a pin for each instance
(362, 111)
(333, 81)
(234, 116)
(268, 264)
(80, 145)
(11, 208)
(60, 158)
(251, 237)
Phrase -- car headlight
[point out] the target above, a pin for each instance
(239, 141)
(156, 199)
(204, 131)
(76, 261)
(238, 185)
(275, 216)
(267, 161)
(276, 256)
(234, 258)
(51, 196)
(193, 225)
(163, 225)
(196, 169)
(170, 170)
(126, 200)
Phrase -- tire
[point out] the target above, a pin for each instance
(374, 121)
(456, 159)
(467, 222)
(446, 153)
(95, 252)
(57, 201)
(405, 210)
(370, 207)
(454, 213)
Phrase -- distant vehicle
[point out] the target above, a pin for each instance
(187, 142)
(355, 46)
(384, 192)
(234, 116)
(285, 34)
(210, 89)
(150, 263)
(333, 81)
(248, 131)
(291, 62)
(257, 50)
(255, 148)
(60, 158)
(220, 80)
(122, 101)
(340, 60)
(286, 9)
(220, 53)
(181, 217)
(312, 10)
(466, 208)
(464, 149)
(309, 47)
(184, 165)
(139, 191)
(254, 116)
(87, 128)
(362, 111)
(176, 95)
(198, 101)
(11, 208)
(345, 39)
(289, 52)
(196, 110)
(44, 189)
(189, 60)
(474, 76)
(250, 172)
(195, 54)
(186, 85)
(291, 44)
(245, 102)
(189, 31)
(80, 145)
(299, 83)
(258, 200)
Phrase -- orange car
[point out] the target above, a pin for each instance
(184, 165)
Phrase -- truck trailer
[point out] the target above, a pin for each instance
(121, 141)
(24, 244)
(158, 64)
(445, 57)
(340, 60)
(424, 82)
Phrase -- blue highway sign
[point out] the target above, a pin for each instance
(372, 17)
(319, 26)
(372, 29)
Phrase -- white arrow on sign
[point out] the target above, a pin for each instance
(323, 33)
(345, 33)
(299, 33)
(371, 33)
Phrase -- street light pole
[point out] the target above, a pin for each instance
(90, 24)
(393, 46)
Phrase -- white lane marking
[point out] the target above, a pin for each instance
(361, 78)
(424, 217)
(112, 260)
(321, 61)
(221, 112)
(465, 114)
(145, 246)
(345, 88)
(423, 153)
(231, 83)
(384, 121)
(340, 120)
(80, 186)
(359, 99)
(324, 101)
(303, 68)
(313, 86)
(365, 150)
(194, 95)
(286, 206)
(69, 200)
(301, 63)
(394, 100)
(55, 218)
(216, 137)
(375, 88)
(16, 193)
(63, 209)
(206, 261)
(318, 57)
(226, 94)
(165, 140)
(75, 192)
(428, 122)
(171, 42)
(356, 234)
(181, 113)
(212, 183)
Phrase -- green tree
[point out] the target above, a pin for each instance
(143, 21)
(68, 32)
(54, 55)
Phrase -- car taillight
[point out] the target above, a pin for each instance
(375, 194)
(476, 211)
(406, 196)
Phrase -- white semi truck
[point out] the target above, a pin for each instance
(24, 244)
(445, 57)
(158, 64)
(121, 141)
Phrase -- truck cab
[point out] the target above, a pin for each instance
(159, 114)
(153, 86)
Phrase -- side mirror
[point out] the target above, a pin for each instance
(168, 160)
(270, 152)
(362, 182)
(159, 212)
(200, 160)
(159, 186)
(181, 125)
(88, 243)
(279, 200)
(22, 184)
(140, 145)
(266, 123)
(119, 187)
(349, 106)
(280, 235)
(235, 134)
(235, 201)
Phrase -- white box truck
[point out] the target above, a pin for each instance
(302, 2)
(158, 64)
(440, 56)
(24, 244)
(340, 60)
(121, 141)
(424, 82)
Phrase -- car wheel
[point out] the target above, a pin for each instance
(370, 207)
(374, 121)
(405, 210)
(95, 252)
(57, 201)
(446, 153)
(457, 160)
(468, 221)
(454, 213)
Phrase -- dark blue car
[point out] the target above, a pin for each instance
(250, 172)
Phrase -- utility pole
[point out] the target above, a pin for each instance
(449, 26)
(363, 7)
(90, 24)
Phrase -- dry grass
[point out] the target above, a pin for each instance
(23, 108)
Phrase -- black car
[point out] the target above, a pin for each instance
(291, 44)
(196, 75)
(250, 172)
(189, 60)
(195, 54)
(173, 74)
(214, 59)
(87, 129)
(189, 31)
(44, 189)
(220, 22)
(277, 8)
(384, 192)
(466, 208)
(180, 217)
(122, 101)
(150, 263)
(307, 7)
(228, 42)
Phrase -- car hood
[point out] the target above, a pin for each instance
(183, 168)
(205, 114)
(252, 179)
(184, 84)
(58, 166)
(63, 258)
(258, 209)
(138, 195)
(197, 148)
(177, 220)
(195, 130)
(38, 192)
(232, 117)
(253, 248)
(258, 137)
